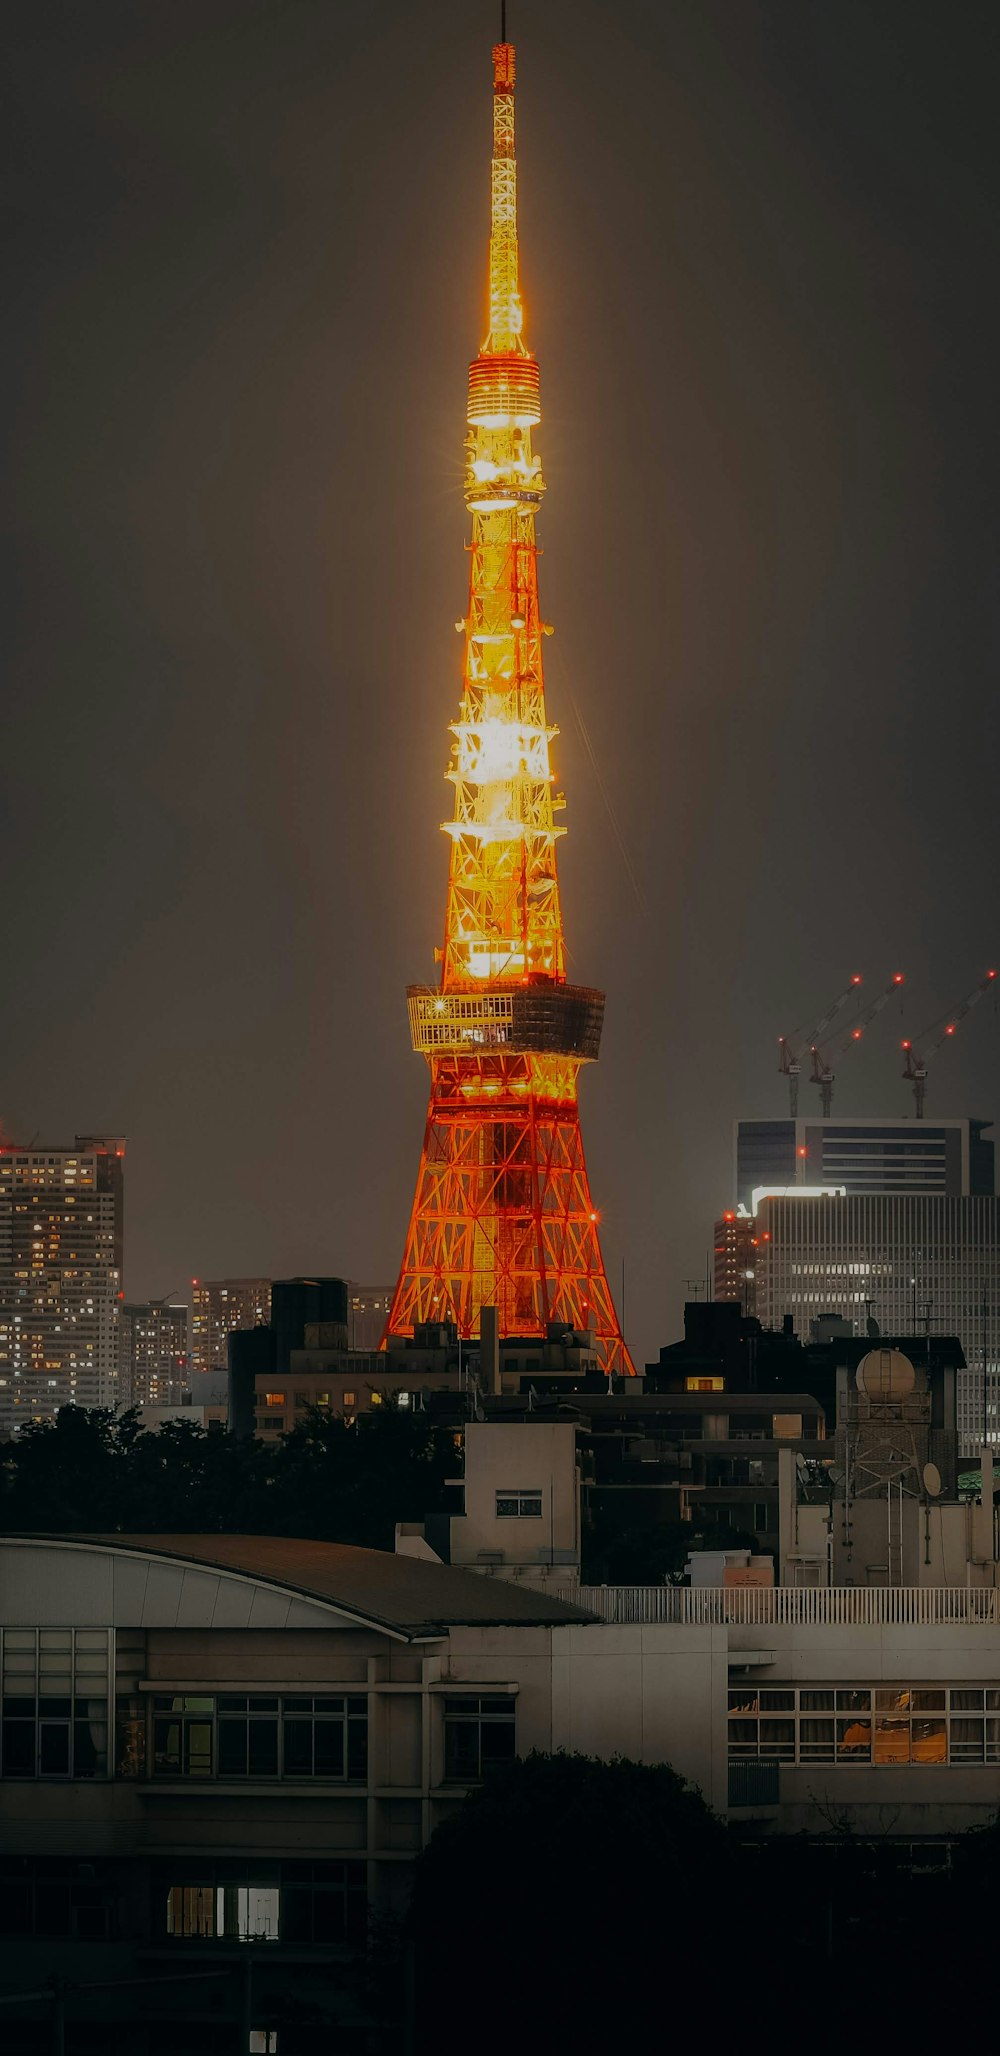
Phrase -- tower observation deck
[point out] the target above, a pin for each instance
(503, 1215)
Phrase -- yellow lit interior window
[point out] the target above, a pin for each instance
(704, 1385)
(275, 1398)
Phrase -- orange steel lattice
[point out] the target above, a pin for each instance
(503, 1214)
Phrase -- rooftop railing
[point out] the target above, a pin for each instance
(792, 1606)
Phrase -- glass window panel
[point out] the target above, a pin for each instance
(232, 1748)
(743, 1702)
(298, 1747)
(55, 1707)
(497, 1744)
(263, 1706)
(92, 1638)
(55, 1638)
(300, 1705)
(461, 1749)
(928, 1699)
(19, 1748)
(853, 1701)
(358, 1705)
(263, 1751)
(231, 1702)
(502, 1706)
(928, 1742)
(992, 1700)
(19, 1638)
(993, 1741)
(328, 1748)
(198, 1748)
(53, 1749)
(965, 1699)
(816, 1702)
(892, 1699)
(892, 1740)
(854, 1741)
(167, 1745)
(777, 1702)
(967, 1738)
(296, 1914)
(90, 1748)
(327, 1705)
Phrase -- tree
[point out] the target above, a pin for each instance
(546, 1911)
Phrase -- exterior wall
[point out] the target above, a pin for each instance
(518, 1465)
(894, 1256)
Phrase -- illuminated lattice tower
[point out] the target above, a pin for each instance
(503, 1213)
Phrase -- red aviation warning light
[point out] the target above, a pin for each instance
(502, 1215)
(933, 1038)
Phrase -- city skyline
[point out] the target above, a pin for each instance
(779, 654)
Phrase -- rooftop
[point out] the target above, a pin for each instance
(402, 1594)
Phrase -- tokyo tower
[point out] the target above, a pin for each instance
(503, 1214)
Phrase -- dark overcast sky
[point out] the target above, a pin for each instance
(760, 258)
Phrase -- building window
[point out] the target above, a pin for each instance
(349, 1399)
(55, 1703)
(301, 1904)
(325, 1738)
(478, 1733)
(182, 1737)
(519, 1506)
(252, 1735)
(866, 1724)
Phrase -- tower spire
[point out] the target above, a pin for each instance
(503, 1214)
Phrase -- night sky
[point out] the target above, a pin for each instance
(247, 270)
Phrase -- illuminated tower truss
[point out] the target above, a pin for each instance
(503, 1214)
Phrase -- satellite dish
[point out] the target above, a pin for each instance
(932, 1480)
(885, 1374)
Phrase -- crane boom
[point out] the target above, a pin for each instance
(823, 1073)
(940, 1032)
(791, 1047)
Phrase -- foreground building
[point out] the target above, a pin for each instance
(220, 1755)
(62, 1232)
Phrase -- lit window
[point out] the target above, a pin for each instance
(350, 1399)
(274, 1398)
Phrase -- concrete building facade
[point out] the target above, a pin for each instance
(904, 1260)
(220, 1755)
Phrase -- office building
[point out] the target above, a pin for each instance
(61, 1256)
(219, 1306)
(949, 1158)
(907, 1263)
(153, 1355)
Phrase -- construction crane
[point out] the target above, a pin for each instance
(917, 1060)
(823, 1073)
(792, 1047)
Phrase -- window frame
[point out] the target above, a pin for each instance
(521, 1503)
(886, 1725)
(327, 1714)
(477, 1713)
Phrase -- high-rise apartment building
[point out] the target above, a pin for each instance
(914, 1263)
(862, 1156)
(736, 1259)
(61, 1256)
(218, 1306)
(153, 1354)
